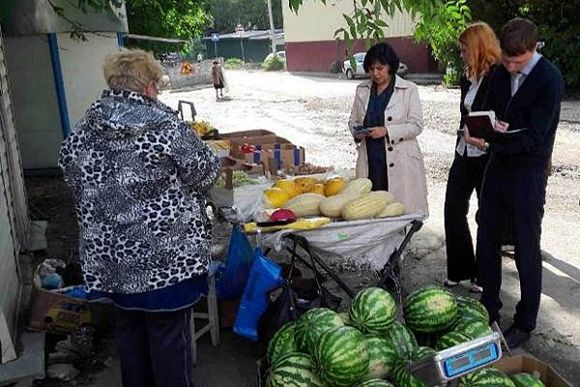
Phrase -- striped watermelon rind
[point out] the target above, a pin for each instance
(402, 339)
(472, 327)
(374, 383)
(402, 376)
(372, 310)
(486, 377)
(468, 307)
(451, 339)
(312, 324)
(282, 342)
(294, 369)
(341, 356)
(430, 309)
(523, 379)
(382, 357)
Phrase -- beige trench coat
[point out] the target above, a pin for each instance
(404, 122)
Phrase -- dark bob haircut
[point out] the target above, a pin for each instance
(384, 54)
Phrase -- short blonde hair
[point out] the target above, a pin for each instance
(131, 70)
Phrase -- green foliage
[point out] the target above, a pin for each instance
(227, 14)
(274, 63)
(183, 19)
(440, 27)
(234, 63)
(557, 21)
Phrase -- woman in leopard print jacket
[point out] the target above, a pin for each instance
(138, 176)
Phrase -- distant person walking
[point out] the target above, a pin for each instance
(217, 74)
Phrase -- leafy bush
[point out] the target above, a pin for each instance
(275, 63)
(234, 63)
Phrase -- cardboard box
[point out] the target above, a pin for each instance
(56, 313)
(286, 154)
(531, 365)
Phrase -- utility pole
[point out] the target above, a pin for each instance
(271, 17)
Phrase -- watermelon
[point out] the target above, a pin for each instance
(401, 375)
(374, 383)
(472, 327)
(345, 319)
(526, 380)
(426, 339)
(382, 357)
(372, 310)
(402, 340)
(293, 369)
(341, 356)
(283, 342)
(451, 339)
(486, 377)
(312, 324)
(430, 309)
(468, 308)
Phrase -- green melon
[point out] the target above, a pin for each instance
(312, 324)
(372, 310)
(374, 383)
(402, 339)
(451, 339)
(283, 342)
(293, 369)
(524, 379)
(472, 327)
(341, 356)
(430, 309)
(486, 377)
(468, 308)
(382, 357)
(401, 375)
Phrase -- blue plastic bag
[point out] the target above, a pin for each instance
(233, 278)
(264, 277)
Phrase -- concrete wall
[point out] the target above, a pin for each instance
(34, 100)
(82, 71)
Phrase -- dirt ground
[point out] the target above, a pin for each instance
(313, 112)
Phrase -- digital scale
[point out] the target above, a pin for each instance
(459, 360)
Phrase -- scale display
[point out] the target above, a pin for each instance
(471, 359)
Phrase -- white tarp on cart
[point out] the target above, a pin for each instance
(368, 242)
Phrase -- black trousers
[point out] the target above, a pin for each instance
(520, 189)
(465, 176)
(155, 348)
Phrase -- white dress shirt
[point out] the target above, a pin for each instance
(462, 146)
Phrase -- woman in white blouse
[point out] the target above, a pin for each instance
(480, 51)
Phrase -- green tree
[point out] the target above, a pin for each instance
(183, 19)
(227, 14)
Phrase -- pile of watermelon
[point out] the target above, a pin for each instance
(368, 347)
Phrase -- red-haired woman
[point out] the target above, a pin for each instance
(481, 52)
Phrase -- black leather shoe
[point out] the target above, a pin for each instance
(514, 336)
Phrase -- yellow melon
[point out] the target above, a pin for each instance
(334, 186)
(288, 186)
(276, 197)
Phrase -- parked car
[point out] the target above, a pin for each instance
(359, 57)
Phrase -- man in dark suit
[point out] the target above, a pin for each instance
(525, 93)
